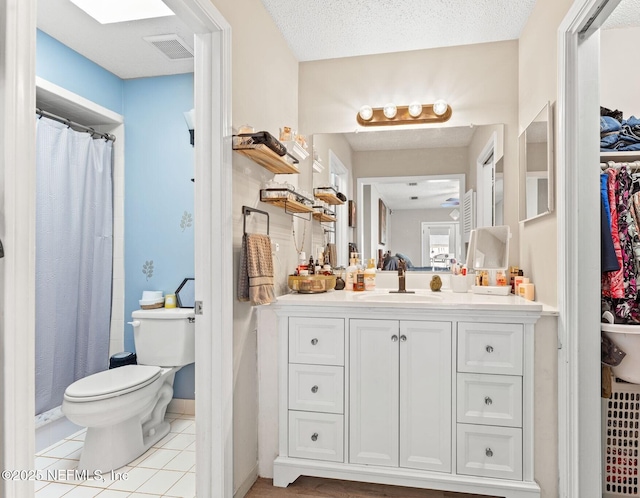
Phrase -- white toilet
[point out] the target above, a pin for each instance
(123, 408)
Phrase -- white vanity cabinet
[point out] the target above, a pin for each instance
(436, 396)
(400, 394)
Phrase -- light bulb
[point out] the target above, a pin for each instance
(415, 109)
(390, 110)
(366, 112)
(440, 107)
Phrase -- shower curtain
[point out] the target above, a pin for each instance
(74, 220)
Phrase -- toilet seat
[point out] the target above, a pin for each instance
(112, 383)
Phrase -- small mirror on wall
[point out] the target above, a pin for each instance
(536, 166)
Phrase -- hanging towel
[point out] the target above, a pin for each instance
(256, 270)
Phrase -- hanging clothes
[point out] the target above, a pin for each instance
(620, 286)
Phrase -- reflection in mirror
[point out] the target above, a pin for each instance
(536, 166)
(489, 254)
(489, 248)
(400, 160)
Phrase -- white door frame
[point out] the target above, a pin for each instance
(579, 424)
(214, 337)
(488, 152)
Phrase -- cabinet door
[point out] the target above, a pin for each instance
(373, 392)
(425, 395)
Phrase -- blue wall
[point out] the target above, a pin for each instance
(159, 160)
(64, 67)
(158, 194)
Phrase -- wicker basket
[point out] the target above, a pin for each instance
(621, 446)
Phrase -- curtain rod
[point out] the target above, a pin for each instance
(74, 125)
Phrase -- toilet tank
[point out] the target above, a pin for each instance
(164, 337)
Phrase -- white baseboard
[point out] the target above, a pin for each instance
(182, 406)
(244, 488)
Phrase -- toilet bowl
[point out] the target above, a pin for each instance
(123, 408)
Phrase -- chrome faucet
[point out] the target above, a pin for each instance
(402, 284)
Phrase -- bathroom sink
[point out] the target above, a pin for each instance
(400, 298)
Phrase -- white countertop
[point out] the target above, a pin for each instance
(423, 299)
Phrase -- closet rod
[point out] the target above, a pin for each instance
(74, 125)
(613, 164)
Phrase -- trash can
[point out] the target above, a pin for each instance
(121, 359)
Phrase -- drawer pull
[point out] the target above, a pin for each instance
(403, 338)
(314, 436)
(488, 400)
(314, 389)
(489, 349)
(314, 341)
(394, 338)
(488, 452)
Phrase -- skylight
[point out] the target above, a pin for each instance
(123, 10)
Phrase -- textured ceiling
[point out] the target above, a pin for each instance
(343, 28)
(626, 15)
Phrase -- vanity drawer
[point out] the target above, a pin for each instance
(319, 341)
(490, 399)
(494, 348)
(316, 388)
(486, 451)
(318, 436)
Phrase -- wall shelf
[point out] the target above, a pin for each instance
(328, 195)
(296, 149)
(323, 217)
(266, 158)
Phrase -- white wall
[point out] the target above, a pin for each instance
(405, 234)
(265, 95)
(537, 63)
(619, 73)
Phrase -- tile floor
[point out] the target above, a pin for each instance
(167, 469)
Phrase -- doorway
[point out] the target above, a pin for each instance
(440, 243)
(212, 209)
(579, 404)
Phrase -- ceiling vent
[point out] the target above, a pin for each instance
(414, 198)
(413, 184)
(171, 46)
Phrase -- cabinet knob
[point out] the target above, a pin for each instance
(394, 338)
(403, 338)
(314, 389)
(314, 341)
(488, 400)
(489, 349)
(314, 436)
(488, 452)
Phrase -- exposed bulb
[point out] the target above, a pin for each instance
(415, 109)
(390, 110)
(366, 112)
(440, 106)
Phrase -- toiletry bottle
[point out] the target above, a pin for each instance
(302, 264)
(501, 279)
(352, 269)
(358, 278)
(370, 276)
(312, 266)
(485, 278)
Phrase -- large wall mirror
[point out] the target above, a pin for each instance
(421, 176)
(536, 166)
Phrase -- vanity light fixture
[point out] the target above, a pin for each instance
(414, 113)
